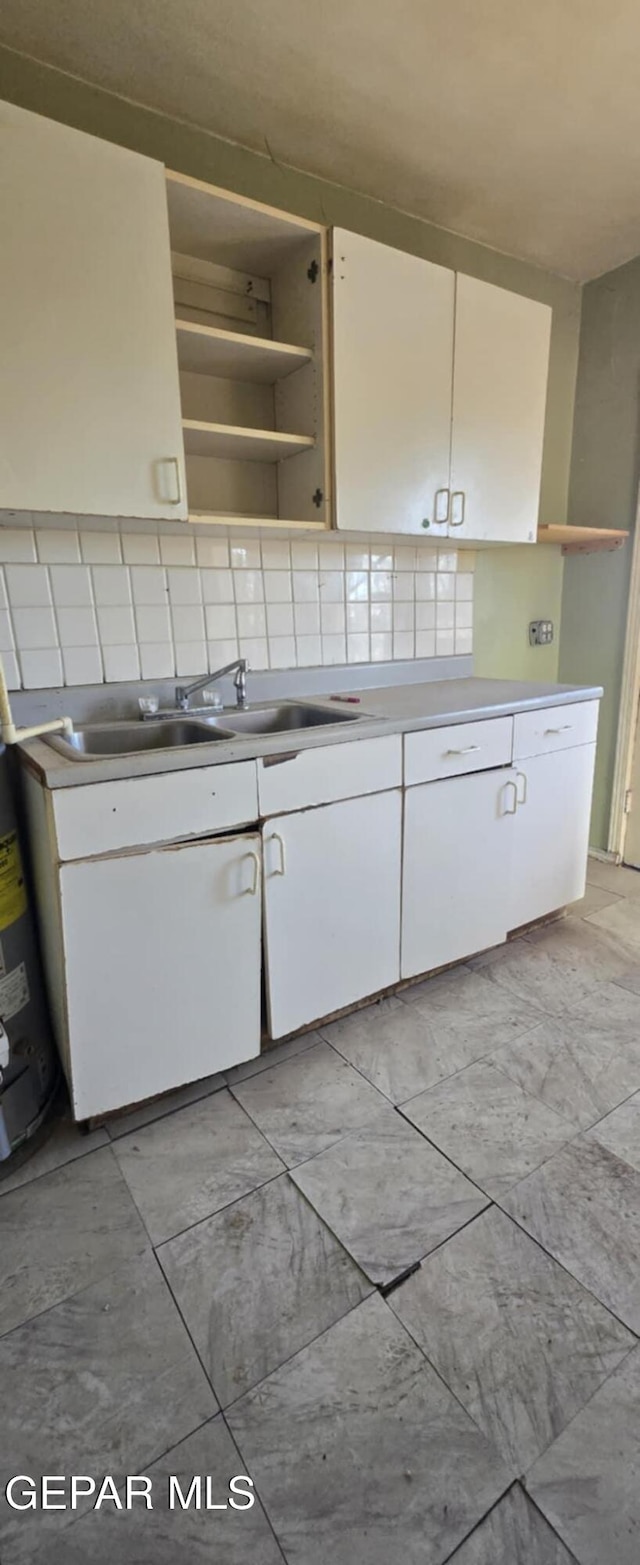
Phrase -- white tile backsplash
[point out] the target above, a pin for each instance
(28, 586)
(83, 605)
(34, 628)
(100, 548)
(55, 545)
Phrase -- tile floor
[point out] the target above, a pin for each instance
(391, 1271)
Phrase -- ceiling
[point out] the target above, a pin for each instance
(515, 124)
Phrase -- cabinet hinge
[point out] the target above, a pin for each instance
(312, 271)
(317, 498)
(628, 801)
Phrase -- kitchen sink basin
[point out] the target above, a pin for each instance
(169, 733)
(287, 716)
(131, 738)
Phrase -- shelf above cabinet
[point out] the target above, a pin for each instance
(240, 444)
(209, 350)
(583, 540)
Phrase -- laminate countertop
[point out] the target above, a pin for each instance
(401, 708)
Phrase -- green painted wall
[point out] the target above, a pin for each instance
(603, 492)
(510, 582)
(514, 586)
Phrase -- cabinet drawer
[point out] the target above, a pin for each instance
(104, 817)
(329, 773)
(554, 728)
(462, 747)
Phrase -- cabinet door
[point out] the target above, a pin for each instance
(392, 364)
(499, 395)
(332, 907)
(89, 397)
(455, 878)
(162, 955)
(551, 835)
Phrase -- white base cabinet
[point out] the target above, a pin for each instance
(551, 837)
(458, 836)
(332, 907)
(162, 956)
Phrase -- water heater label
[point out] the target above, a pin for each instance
(13, 896)
(14, 992)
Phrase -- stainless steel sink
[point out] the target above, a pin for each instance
(131, 738)
(168, 733)
(291, 715)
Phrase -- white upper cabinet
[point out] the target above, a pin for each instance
(501, 363)
(440, 386)
(90, 417)
(393, 360)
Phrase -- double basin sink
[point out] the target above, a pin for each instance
(169, 733)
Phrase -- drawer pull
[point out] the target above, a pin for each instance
(250, 891)
(521, 777)
(468, 750)
(282, 869)
(564, 729)
(510, 810)
(457, 508)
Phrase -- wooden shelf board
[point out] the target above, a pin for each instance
(224, 519)
(583, 540)
(215, 225)
(209, 350)
(236, 443)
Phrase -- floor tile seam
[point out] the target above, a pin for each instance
(251, 1390)
(256, 1488)
(163, 1114)
(572, 1559)
(630, 1349)
(47, 1173)
(371, 1289)
(115, 1264)
(524, 1477)
(159, 1244)
(190, 1339)
(579, 1130)
(385, 1103)
(517, 1484)
(484, 1059)
(563, 1267)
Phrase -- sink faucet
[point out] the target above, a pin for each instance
(183, 692)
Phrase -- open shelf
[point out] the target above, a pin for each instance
(237, 443)
(209, 350)
(222, 519)
(583, 540)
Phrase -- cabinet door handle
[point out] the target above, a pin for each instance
(468, 750)
(520, 777)
(507, 809)
(275, 837)
(442, 505)
(563, 729)
(457, 508)
(251, 891)
(174, 462)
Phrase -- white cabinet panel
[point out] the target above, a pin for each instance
(555, 728)
(327, 773)
(551, 837)
(332, 907)
(89, 398)
(162, 955)
(393, 356)
(461, 747)
(455, 878)
(499, 396)
(133, 811)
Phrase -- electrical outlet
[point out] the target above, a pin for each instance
(540, 632)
